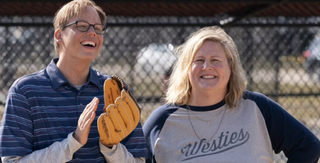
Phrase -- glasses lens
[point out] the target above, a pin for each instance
(99, 29)
(82, 26)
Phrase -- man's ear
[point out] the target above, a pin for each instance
(57, 35)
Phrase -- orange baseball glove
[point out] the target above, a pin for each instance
(121, 113)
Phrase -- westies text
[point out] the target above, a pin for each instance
(224, 142)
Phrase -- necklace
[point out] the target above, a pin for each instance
(225, 108)
(208, 121)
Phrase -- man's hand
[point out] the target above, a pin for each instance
(121, 113)
(86, 118)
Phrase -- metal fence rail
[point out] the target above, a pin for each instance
(275, 52)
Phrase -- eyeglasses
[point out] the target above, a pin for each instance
(84, 27)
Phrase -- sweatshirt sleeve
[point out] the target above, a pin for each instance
(286, 133)
(153, 126)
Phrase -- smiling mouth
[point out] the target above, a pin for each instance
(207, 77)
(88, 43)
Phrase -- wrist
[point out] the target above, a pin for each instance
(77, 138)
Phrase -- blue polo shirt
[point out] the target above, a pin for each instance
(43, 108)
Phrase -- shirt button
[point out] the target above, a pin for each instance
(81, 104)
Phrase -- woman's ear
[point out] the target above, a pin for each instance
(57, 35)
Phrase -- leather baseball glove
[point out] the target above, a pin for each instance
(121, 113)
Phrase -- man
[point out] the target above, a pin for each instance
(46, 118)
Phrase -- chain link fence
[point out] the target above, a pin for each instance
(280, 56)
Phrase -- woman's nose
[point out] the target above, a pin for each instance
(207, 65)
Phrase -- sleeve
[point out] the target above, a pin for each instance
(153, 126)
(119, 154)
(16, 131)
(150, 129)
(287, 134)
(57, 152)
(16, 134)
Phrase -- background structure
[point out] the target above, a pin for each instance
(278, 41)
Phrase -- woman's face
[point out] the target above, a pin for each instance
(210, 71)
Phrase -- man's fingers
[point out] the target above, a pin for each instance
(96, 104)
(92, 106)
(90, 120)
(85, 120)
(88, 115)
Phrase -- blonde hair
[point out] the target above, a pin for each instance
(72, 9)
(179, 85)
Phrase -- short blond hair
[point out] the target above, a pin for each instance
(72, 9)
(179, 89)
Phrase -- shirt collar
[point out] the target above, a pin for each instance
(58, 79)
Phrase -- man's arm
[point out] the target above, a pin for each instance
(63, 151)
(119, 154)
(57, 152)
(130, 150)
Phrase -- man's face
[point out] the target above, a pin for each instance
(75, 44)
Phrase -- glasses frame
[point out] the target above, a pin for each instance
(104, 29)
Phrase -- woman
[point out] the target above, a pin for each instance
(211, 117)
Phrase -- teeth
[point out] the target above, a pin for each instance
(208, 77)
(88, 43)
